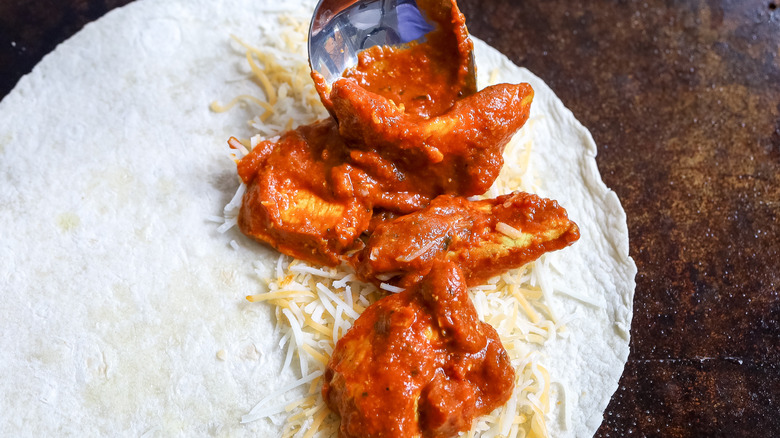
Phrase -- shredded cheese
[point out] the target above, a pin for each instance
(281, 71)
(390, 288)
(509, 231)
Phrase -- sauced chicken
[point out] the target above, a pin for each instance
(458, 152)
(292, 201)
(381, 185)
(389, 149)
(484, 238)
(419, 363)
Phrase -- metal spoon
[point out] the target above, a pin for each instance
(340, 29)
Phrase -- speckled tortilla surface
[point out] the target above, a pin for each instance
(118, 292)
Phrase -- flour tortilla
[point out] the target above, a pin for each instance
(118, 293)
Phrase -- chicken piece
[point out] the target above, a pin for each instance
(291, 200)
(419, 363)
(458, 152)
(312, 193)
(484, 238)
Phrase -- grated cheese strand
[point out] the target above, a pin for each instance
(252, 415)
(218, 108)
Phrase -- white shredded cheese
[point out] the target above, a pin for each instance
(260, 411)
(391, 288)
(419, 252)
(312, 270)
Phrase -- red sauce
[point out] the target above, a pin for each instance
(412, 78)
(419, 363)
(465, 232)
(300, 197)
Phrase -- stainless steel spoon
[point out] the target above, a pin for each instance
(340, 29)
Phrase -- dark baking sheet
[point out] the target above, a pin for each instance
(683, 99)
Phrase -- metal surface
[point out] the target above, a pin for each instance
(342, 28)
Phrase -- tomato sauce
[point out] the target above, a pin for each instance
(467, 233)
(419, 363)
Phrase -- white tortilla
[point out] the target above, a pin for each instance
(118, 292)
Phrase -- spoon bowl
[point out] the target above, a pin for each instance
(340, 29)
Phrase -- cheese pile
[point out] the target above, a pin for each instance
(315, 306)
(283, 74)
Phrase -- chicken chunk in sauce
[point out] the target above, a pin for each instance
(484, 238)
(313, 192)
(419, 363)
(459, 151)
